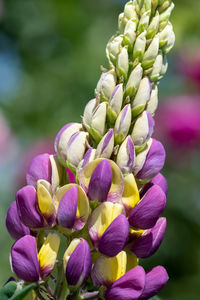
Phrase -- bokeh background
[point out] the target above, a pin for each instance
(50, 57)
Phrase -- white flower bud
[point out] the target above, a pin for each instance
(106, 145)
(122, 124)
(130, 10)
(153, 27)
(170, 43)
(146, 7)
(76, 148)
(89, 156)
(126, 156)
(134, 81)
(165, 34)
(117, 98)
(139, 47)
(153, 102)
(106, 85)
(99, 118)
(113, 48)
(142, 97)
(143, 129)
(151, 53)
(122, 20)
(157, 67)
(130, 33)
(165, 15)
(88, 112)
(164, 66)
(123, 63)
(141, 158)
(144, 22)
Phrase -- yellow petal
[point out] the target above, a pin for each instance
(103, 216)
(57, 172)
(44, 196)
(109, 269)
(130, 195)
(69, 251)
(48, 254)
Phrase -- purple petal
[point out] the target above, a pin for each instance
(107, 139)
(67, 208)
(151, 124)
(79, 264)
(13, 223)
(155, 281)
(161, 181)
(24, 259)
(148, 243)
(26, 200)
(100, 182)
(131, 153)
(154, 162)
(115, 237)
(127, 287)
(71, 176)
(149, 209)
(40, 168)
(86, 157)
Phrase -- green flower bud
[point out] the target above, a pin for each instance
(134, 81)
(139, 47)
(123, 63)
(153, 102)
(151, 53)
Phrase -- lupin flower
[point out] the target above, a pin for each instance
(102, 180)
(30, 265)
(116, 195)
(77, 262)
(109, 228)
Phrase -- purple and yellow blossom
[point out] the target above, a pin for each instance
(28, 264)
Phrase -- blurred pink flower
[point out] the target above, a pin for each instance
(7, 140)
(189, 64)
(178, 123)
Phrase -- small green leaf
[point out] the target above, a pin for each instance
(7, 291)
(19, 295)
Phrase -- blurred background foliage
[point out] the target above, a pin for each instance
(50, 57)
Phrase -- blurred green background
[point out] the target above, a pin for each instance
(50, 57)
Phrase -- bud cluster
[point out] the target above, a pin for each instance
(103, 190)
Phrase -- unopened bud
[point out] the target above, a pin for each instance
(165, 34)
(146, 7)
(157, 67)
(88, 112)
(151, 53)
(164, 66)
(153, 102)
(134, 81)
(165, 15)
(153, 27)
(144, 22)
(88, 157)
(113, 48)
(143, 129)
(142, 97)
(106, 85)
(123, 63)
(129, 10)
(76, 149)
(98, 122)
(106, 145)
(130, 33)
(126, 156)
(170, 43)
(122, 22)
(122, 124)
(139, 47)
(116, 99)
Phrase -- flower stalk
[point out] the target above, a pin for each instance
(103, 188)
